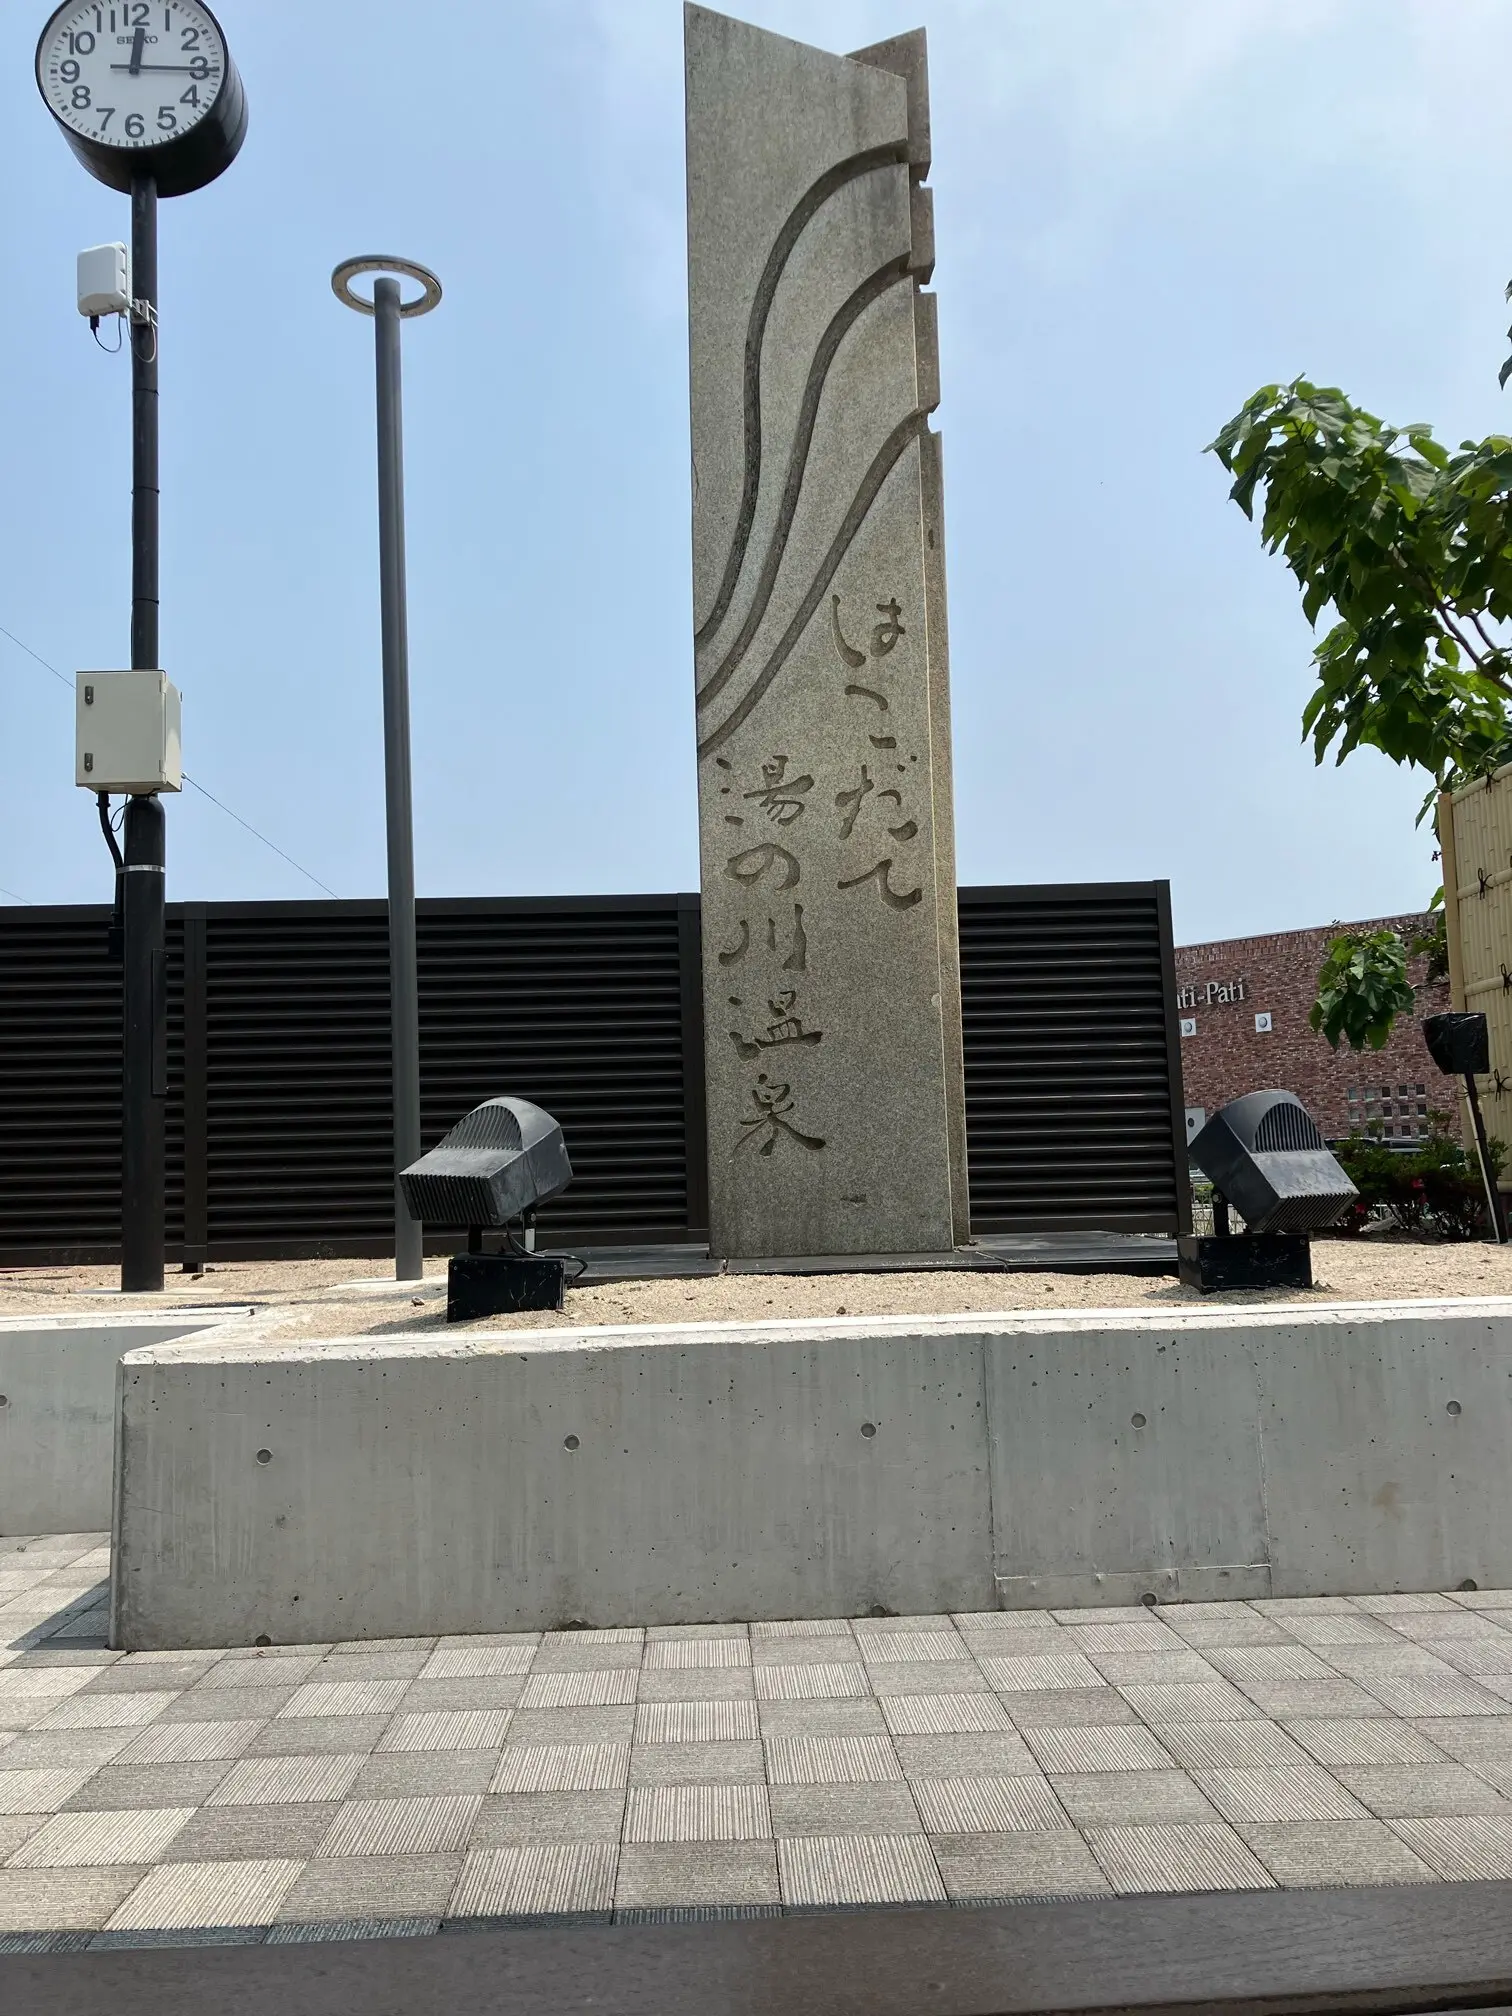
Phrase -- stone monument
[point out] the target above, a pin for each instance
(832, 1005)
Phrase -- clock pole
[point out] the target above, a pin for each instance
(144, 1062)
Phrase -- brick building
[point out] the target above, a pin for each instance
(1244, 1005)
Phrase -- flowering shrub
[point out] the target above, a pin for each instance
(1434, 1190)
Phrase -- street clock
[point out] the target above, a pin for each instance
(143, 88)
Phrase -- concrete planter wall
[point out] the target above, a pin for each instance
(824, 1468)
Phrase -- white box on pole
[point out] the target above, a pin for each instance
(128, 732)
(105, 281)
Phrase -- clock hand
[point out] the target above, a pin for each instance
(187, 69)
(137, 42)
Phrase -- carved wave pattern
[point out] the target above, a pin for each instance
(731, 689)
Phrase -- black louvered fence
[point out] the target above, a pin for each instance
(278, 1112)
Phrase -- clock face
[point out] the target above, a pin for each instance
(135, 74)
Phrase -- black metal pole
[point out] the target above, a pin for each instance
(144, 1058)
(1495, 1202)
(403, 978)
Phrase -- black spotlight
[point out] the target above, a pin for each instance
(1265, 1156)
(1460, 1045)
(486, 1176)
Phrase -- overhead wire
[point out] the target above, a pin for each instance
(220, 805)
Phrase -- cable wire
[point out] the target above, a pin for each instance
(63, 679)
(24, 901)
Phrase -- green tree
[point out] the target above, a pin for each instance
(1362, 989)
(1410, 549)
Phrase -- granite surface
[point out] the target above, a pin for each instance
(832, 999)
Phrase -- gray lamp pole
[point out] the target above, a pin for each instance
(386, 308)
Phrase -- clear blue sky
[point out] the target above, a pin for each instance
(1145, 209)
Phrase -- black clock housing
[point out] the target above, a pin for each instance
(179, 165)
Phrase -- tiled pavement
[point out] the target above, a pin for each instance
(418, 1785)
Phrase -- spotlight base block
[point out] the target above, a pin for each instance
(1244, 1260)
(501, 1284)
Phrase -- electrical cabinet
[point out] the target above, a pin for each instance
(128, 732)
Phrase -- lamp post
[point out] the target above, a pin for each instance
(388, 309)
(156, 110)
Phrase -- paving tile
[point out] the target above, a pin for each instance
(593, 1658)
(1482, 1599)
(123, 1785)
(251, 1833)
(41, 1900)
(697, 1764)
(1049, 1864)
(1194, 1701)
(709, 1873)
(883, 1627)
(830, 1760)
(452, 1729)
(943, 1714)
(818, 1682)
(371, 1886)
(1466, 1848)
(65, 1749)
(696, 1722)
(803, 1627)
(548, 1816)
(1499, 1684)
(804, 1651)
(1305, 1606)
(1321, 1854)
(697, 1813)
(1497, 1775)
(286, 1672)
(1366, 1740)
(1278, 1792)
(1402, 1605)
(1111, 1747)
(1362, 1662)
(1138, 1859)
(1207, 1624)
(1421, 1791)
(348, 1648)
(988, 1805)
(821, 1718)
(579, 1689)
(1433, 1694)
(1011, 1675)
(1473, 1655)
(1068, 1708)
(16, 1829)
(351, 1928)
(94, 1840)
(46, 1684)
(657, 1634)
(1331, 1630)
(342, 1697)
(249, 1656)
(697, 1652)
(476, 1662)
(1129, 1798)
(1314, 1699)
(401, 1826)
(132, 1675)
(228, 1704)
(858, 1869)
(402, 1661)
(267, 1781)
(894, 1648)
(562, 1767)
(1214, 1746)
(696, 1683)
(614, 1634)
(413, 1774)
(39, 1791)
(1269, 1662)
(1468, 1737)
(1048, 1642)
(572, 1725)
(536, 1880)
(107, 1711)
(1152, 1669)
(1110, 1613)
(926, 1677)
(999, 1753)
(190, 1742)
(428, 1696)
(843, 1809)
(1143, 1634)
(311, 1735)
(1454, 1622)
